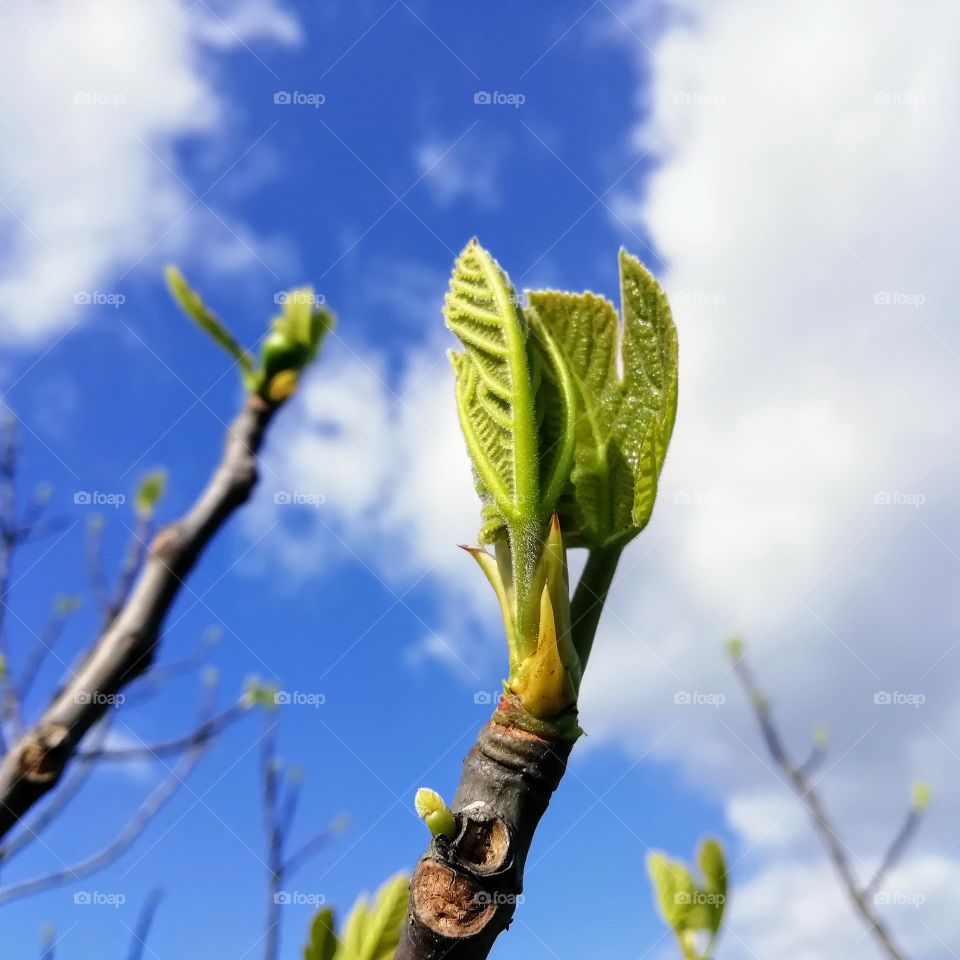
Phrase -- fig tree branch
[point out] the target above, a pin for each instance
(797, 776)
(127, 646)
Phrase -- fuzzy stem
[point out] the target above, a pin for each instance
(589, 597)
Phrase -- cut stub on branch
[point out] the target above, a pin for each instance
(464, 890)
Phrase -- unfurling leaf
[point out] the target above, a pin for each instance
(714, 869)
(692, 911)
(322, 944)
(372, 931)
(624, 423)
(190, 302)
(293, 342)
(150, 491)
(520, 471)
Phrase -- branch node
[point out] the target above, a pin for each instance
(43, 752)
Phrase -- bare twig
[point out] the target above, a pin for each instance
(155, 680)
(895, 851)
(132, 562)
(279, 798)
(122, 842)
(203, 733)
(138, 939)
(126, 648)
(42, 647)
(798, 779)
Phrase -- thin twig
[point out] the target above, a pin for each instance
(804, 789)
(138, 940)
(155, 680)
(127, 648)
(133, 559)
(199, 736)
(122, 842)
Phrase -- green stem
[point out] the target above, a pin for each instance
(590, 596)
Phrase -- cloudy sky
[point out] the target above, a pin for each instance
(788, 171)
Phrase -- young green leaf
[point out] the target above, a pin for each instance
(386, 919)
(674, 889)
(354, 933)
(714, 869)
(623, 424)
(322, 944)
(292, 343)
(494, 387)
(150, 491)
(190, 302)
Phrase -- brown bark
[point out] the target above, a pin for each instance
(464, 890)
(127, 646)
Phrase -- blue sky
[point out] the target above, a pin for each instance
(798, 218)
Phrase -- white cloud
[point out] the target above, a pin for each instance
(795, 910)
(806, 211)
(104, 91)
(467, 169)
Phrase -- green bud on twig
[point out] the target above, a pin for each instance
(920, 797)
(435, 813)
